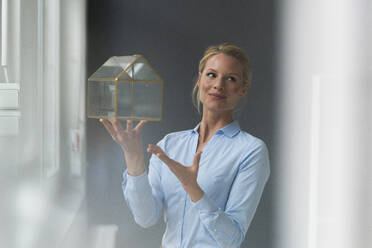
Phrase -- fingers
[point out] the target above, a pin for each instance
(140, 125)
(117, 125)
(195, 163)
(129, 125)
(150, 148)
(155, 150)
(108, 126)
(197, 158)
(160, 154)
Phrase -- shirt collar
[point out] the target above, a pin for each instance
(229, 130)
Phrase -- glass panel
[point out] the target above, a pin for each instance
(142, 71)
(101, 97)
(124, 76)
(124, 99)
(122, 61)
(147, 99)
(113, 67)
(106, 72)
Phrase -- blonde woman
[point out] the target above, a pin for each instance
(207, 180)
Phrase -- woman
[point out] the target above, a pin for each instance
(208, 180)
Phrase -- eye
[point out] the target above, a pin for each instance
(232, 79)
(211, 74)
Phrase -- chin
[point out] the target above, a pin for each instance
(219, 109)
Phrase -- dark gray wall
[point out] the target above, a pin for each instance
(172, 35)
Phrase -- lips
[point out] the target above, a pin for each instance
(217, 96)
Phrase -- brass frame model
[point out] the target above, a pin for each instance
(119, 78)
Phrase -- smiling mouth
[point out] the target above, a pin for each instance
(217, 96)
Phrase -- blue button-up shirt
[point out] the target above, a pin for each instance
(233, 170)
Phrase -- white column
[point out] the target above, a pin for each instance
(4, 32)
(324, 130)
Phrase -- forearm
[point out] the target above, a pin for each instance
(195, 192)
(135, 163)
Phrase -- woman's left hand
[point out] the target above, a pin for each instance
(186, 174)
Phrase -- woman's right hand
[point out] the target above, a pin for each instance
(130, 141)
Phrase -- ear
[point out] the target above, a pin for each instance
(244, 90)
(198, 83)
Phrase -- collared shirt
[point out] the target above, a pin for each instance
(233, 171)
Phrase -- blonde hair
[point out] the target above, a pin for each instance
(228, 49)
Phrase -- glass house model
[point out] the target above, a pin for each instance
(126, 88)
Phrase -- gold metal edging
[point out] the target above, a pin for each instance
(131, 98)
(137, 80)
(152, 68)
(100, 79)
(109, 80)
(162, 88)
(126, 69)
(125, 118)
(139, 118)
(131, 80)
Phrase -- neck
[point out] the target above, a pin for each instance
(211, 122)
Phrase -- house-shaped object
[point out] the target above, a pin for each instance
(126, 88)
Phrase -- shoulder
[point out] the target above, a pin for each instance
(253, 150)
(250, 142)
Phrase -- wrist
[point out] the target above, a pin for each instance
(134, 156)
(195, 192)
(135, 172)
(135, 164)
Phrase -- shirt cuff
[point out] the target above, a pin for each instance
(205, 205)
(135, 183)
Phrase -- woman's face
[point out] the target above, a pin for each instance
(221, 83)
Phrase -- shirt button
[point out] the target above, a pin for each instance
(182, 199)
(215, 230)
(199, 211)
(179, 222)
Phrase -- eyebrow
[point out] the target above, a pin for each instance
(231, 73)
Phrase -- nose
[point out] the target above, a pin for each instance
(219, 84)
